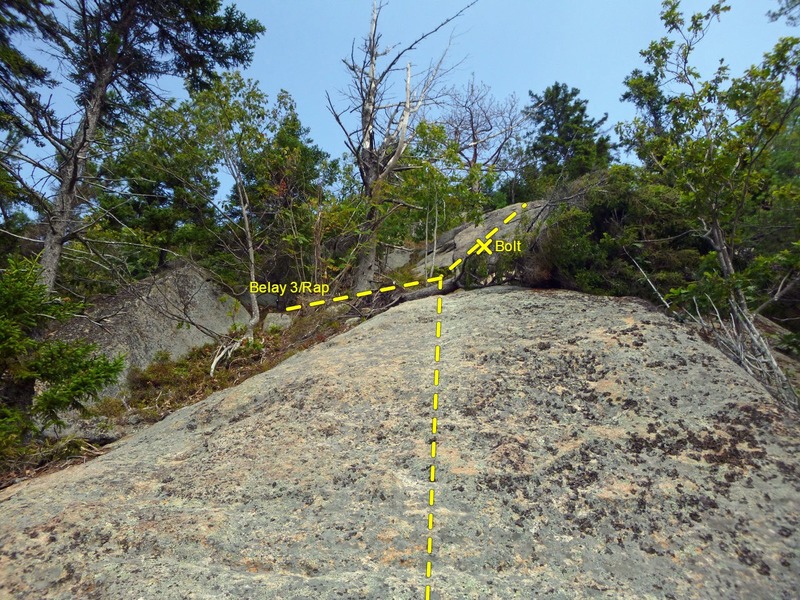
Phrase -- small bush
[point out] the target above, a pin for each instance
(69, 373)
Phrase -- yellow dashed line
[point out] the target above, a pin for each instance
(439, 280)
(437, 355)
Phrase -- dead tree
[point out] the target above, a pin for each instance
(482, 126)
(385, 125)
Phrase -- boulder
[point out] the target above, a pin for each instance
(455, 244)
(174, 311)
(587, 447)
(396, 257)
(274, 321)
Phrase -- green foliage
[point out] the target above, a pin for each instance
(435, 184)
(19, 16)
(621, 216)
(564, 141)
(790, 344)
(156, 197)
(766, 273)
(568, 243)
(728, 147)
(15, 429)
(12, 218)
(152, 38)
(165, 185)
(570, 253)
(108, 55)
(70, 373)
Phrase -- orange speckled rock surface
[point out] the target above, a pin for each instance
(586, 448)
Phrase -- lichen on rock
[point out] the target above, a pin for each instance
(588, 447)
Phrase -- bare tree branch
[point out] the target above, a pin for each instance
(385, 127)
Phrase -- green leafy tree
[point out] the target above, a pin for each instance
(716, 149)
(70, 373)
(18, 18)
(13, 219)
(154, 198)
(626, 219)
(150, 203)
(288, 176)
(110, 52)
(563, 140)
(164, 182)
(438, 190)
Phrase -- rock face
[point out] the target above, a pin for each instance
(586, 448)
(153, 316)
(457, 242)
(275, 321)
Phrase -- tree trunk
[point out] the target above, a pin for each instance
(366, 264)
(51, 253)
(244, 205)
(748, 334)
(70, 174)
(367, 260)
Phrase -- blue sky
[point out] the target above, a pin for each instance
(511, 45)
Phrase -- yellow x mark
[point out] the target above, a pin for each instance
(480, 246)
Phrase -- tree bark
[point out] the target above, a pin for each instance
(367, 259)
(244, 205)
(70, 174)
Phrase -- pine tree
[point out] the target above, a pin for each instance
(71, 373)
(564, 140)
